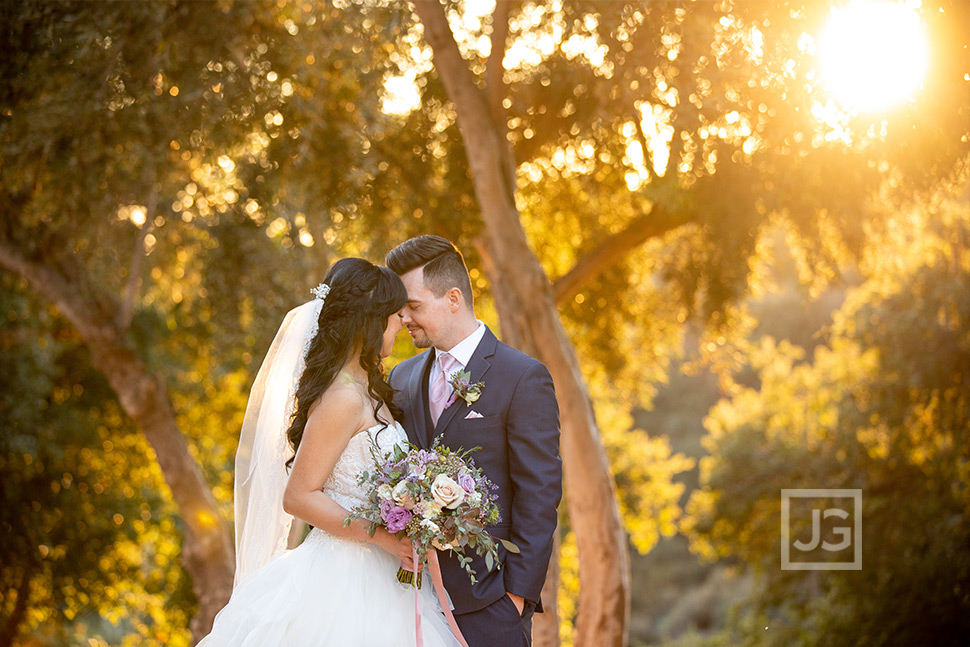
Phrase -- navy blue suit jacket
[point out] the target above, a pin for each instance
(518, 433)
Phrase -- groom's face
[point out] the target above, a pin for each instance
(425, 316)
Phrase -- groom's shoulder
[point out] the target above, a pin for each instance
(415, 360)
(510, 356)
(406, 366)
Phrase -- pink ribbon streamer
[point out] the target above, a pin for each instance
(419, 639)
(439, 588)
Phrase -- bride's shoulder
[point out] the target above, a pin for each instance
(341, 405)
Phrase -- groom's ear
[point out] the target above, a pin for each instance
(455, 299)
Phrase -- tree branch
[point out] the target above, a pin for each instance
(11, 628)
(613, 248)
(647, 156)
(137, 260)
(495, 72)
(495, 85)
(58, 290)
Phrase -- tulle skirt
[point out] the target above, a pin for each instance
(328, 592)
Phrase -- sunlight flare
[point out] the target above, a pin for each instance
(873, 55)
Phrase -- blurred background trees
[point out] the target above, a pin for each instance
(175, 176)
(89, 536)
(881, 405)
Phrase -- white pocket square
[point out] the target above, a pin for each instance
(473, 414)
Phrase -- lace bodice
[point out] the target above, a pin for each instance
(342, 484)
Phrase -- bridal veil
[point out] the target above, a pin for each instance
(262, 526)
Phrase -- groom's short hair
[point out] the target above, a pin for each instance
(444, 266)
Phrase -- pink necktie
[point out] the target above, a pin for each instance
(440, 389)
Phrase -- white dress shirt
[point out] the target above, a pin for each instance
(462, 351)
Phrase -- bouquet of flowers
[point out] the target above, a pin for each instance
(438, 498)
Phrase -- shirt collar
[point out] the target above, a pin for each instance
(463, 350)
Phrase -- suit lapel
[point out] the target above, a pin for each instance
(418, 401)
(478, 366)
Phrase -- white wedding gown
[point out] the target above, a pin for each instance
(332, 592)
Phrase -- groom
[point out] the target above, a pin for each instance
(515, 421)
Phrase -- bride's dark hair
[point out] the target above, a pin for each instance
(354, 316)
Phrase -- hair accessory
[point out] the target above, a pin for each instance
(321, 291)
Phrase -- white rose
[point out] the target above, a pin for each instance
(447, 492)
(431, 510)
(384, 492)
(401, 495)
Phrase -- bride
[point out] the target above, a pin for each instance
(322, 389)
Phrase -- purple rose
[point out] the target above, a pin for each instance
(386, 506)
(466, 482)
(397, 517)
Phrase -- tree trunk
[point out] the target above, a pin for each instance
(526, 305)
(545, 625)
(208, 552)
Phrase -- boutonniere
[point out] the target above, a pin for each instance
(461, 382)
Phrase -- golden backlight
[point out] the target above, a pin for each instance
(873, 54)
